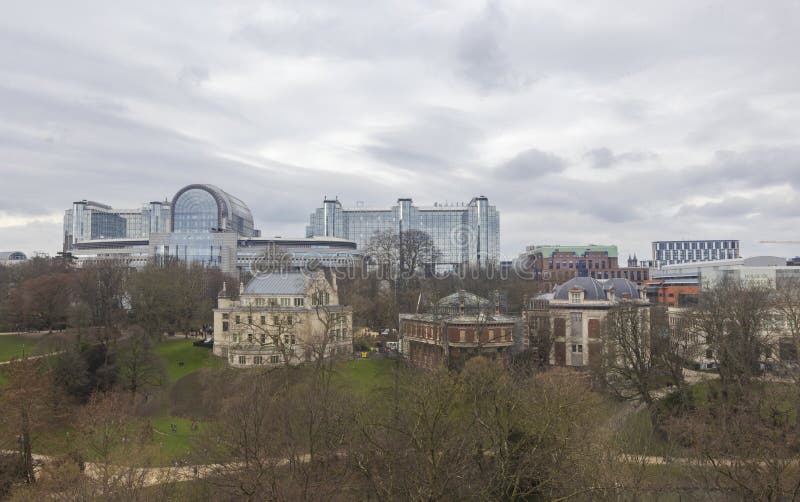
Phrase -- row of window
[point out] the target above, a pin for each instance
(278, 302)
(255, 360)
(682, 245)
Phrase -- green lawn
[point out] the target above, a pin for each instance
(175, 351)
(366, 376)
(174, 444)
(11, 346)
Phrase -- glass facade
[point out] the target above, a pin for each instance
(206, 208)
(108, 226)
(88, 220)
(464, 233)
(195, 211)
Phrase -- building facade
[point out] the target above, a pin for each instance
(89, 220)
(557, 264)
(458, 327)
(283, 318)
(12, 257)
(202, 224)
(677, 252)
(573, 314)
(466, 233)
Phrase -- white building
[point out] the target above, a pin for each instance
(285, 317)
(676, 252)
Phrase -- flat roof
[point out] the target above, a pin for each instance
(548, 250)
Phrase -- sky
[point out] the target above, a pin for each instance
(617, 122)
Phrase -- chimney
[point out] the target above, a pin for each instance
(461, 301)
(496, 302)
(241, 288)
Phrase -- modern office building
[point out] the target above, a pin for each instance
(676, 252)
(12, 257)
(765, 270)
(555, 264)
(465, 233)
(89, 220)
(202, 224)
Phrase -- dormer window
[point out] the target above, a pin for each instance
(575, 297)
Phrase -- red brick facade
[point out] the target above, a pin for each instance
(426, 347)
(563, 266)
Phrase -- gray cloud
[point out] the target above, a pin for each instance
(281, 103)
(529, 164)
(602, 158)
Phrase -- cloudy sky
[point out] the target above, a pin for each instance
(618, 122)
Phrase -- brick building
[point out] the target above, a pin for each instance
(456, 328)
(558, 264)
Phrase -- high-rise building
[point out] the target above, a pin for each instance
(677, 252)
(463, 233)
(89, 220)
(202, 224)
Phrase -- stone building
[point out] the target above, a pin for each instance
(284, 317)
(571, 317)
(455, 328)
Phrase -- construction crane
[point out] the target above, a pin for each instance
(779, 242)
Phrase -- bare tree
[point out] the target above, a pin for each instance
(730, 319)
(29, 405)
(627, 365)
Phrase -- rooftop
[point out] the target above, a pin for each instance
(548, 250)
(279, 283)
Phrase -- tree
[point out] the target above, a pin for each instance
(28, 405)
(787, 307)
(730, 318)
(139, 366)
(100, 288)
(627, 365)
(42, 302)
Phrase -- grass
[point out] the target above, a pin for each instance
(366, 376)
(11, 346)
(175, 351)
(174, 444)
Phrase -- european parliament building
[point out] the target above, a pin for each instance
(464, 233)
(202, 224)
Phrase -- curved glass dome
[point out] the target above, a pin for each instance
(206, 208)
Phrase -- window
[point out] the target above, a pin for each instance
(242, 360)
(289, 320)
(238, 320)
(274, 359)
(249, 319)
(224, 325)
(575, 297)
(250, 338)
(257, 360)
(224, 316)
(259, 302)
(263, 338)
(291, 339)
(298, 302)
(577, 348)
(286, 302)
(263, 319)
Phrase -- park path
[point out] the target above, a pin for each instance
(32, 357)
